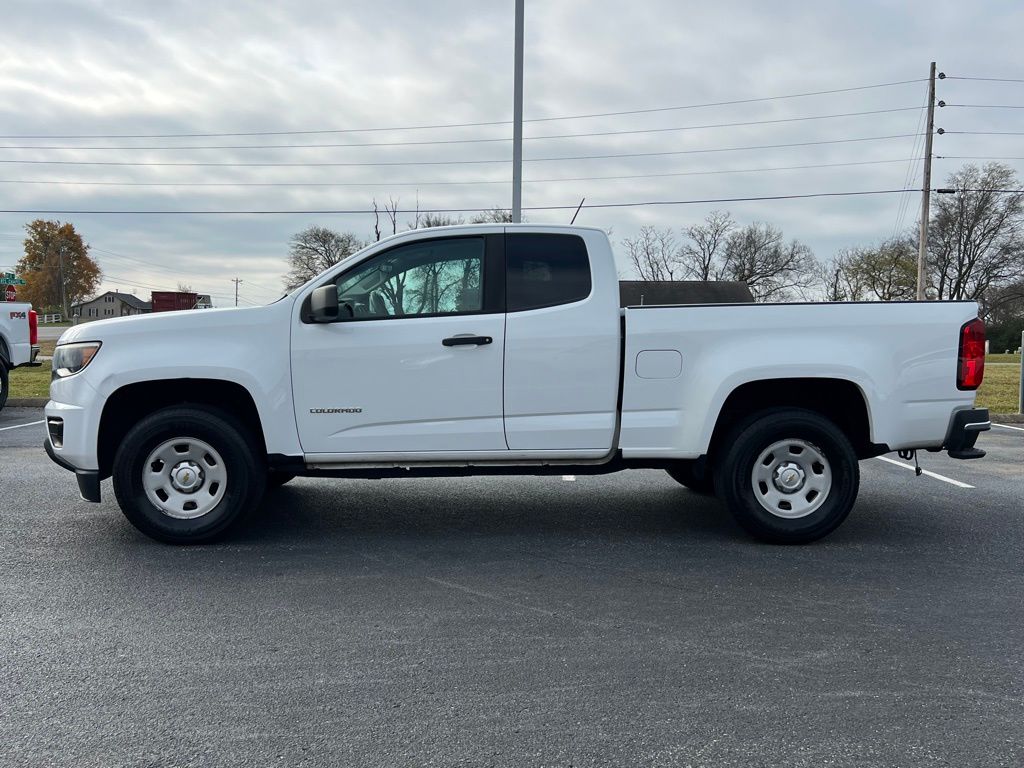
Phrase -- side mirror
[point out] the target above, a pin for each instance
(323, 304)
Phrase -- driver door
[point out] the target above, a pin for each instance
(416, 365)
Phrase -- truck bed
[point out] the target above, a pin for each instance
(682, 362)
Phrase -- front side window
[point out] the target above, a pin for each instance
(430, 277)
(545, 270)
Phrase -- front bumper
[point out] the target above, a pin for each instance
(964, 431)
(88, 479)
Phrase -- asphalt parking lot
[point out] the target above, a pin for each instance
(615, 620)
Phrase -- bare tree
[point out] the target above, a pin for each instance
(427, 220)
(654, 254)
(702, 254)
(391, 211)
(493, 215)
(976, 237)
(841, 282)
(773, 269)
(315, 249)
(883, 272)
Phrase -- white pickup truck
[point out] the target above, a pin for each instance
(502, 350)
(19, 334)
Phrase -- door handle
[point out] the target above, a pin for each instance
(458, 341)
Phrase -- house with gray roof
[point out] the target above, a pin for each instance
(109, 304)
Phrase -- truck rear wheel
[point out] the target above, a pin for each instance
(789, 476)
(184, 475)
(685, 473)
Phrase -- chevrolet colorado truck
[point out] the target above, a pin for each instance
(502, 349)
(19, 335)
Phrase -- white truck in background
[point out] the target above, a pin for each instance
(501, 349)
(19, 335)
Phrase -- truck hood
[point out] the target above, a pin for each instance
(163, 323)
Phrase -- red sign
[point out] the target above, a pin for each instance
(12, 293)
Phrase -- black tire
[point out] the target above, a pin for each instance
(685, 473)
(5, 379)
(276, 479)
(743, 493)
(244, 483)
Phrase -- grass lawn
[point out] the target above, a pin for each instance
(1003, 359)
(999, 391)
(31, 382)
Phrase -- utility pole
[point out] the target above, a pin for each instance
(63, 287)
(236, 281)
(1020, 387)
(922, 244)
(517, 120)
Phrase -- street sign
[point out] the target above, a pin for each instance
(10, 279)
(11, 293)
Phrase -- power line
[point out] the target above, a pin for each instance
(463, 210)
(986, 106)
(454, 162)
(158, 267)
(986, 133)
(118, 280)
(465, 182)
(987, 79)
(459, 125)
(975, 157)
(904, 202)
(597, 134)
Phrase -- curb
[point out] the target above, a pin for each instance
(26, 402)
(1007, 418)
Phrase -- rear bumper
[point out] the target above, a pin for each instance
(32, 361)
(964, 431)
(88, 479)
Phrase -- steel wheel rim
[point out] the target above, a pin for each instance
(185, 478)
(791, 478)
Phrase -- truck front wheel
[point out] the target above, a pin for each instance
(789, 476)
(184, 475)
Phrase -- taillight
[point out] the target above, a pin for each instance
(970, 369)
(33, 327)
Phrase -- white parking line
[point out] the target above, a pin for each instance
(937, 476)
(1007, 426)
(19, 426)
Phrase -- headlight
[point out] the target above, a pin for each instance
(69, 359)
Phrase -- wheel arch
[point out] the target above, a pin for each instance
(840, 400)
(131, 402)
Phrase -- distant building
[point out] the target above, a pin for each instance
(635, 293)
(110, 304)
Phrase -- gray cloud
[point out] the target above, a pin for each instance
(131, 67)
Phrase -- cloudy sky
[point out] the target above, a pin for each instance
(75, 77)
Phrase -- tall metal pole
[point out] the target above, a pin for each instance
(1020, 393)
(922, 245)
(236, 281)
(63, 285)
(517, 120)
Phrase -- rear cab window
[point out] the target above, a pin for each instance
(545, 270)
